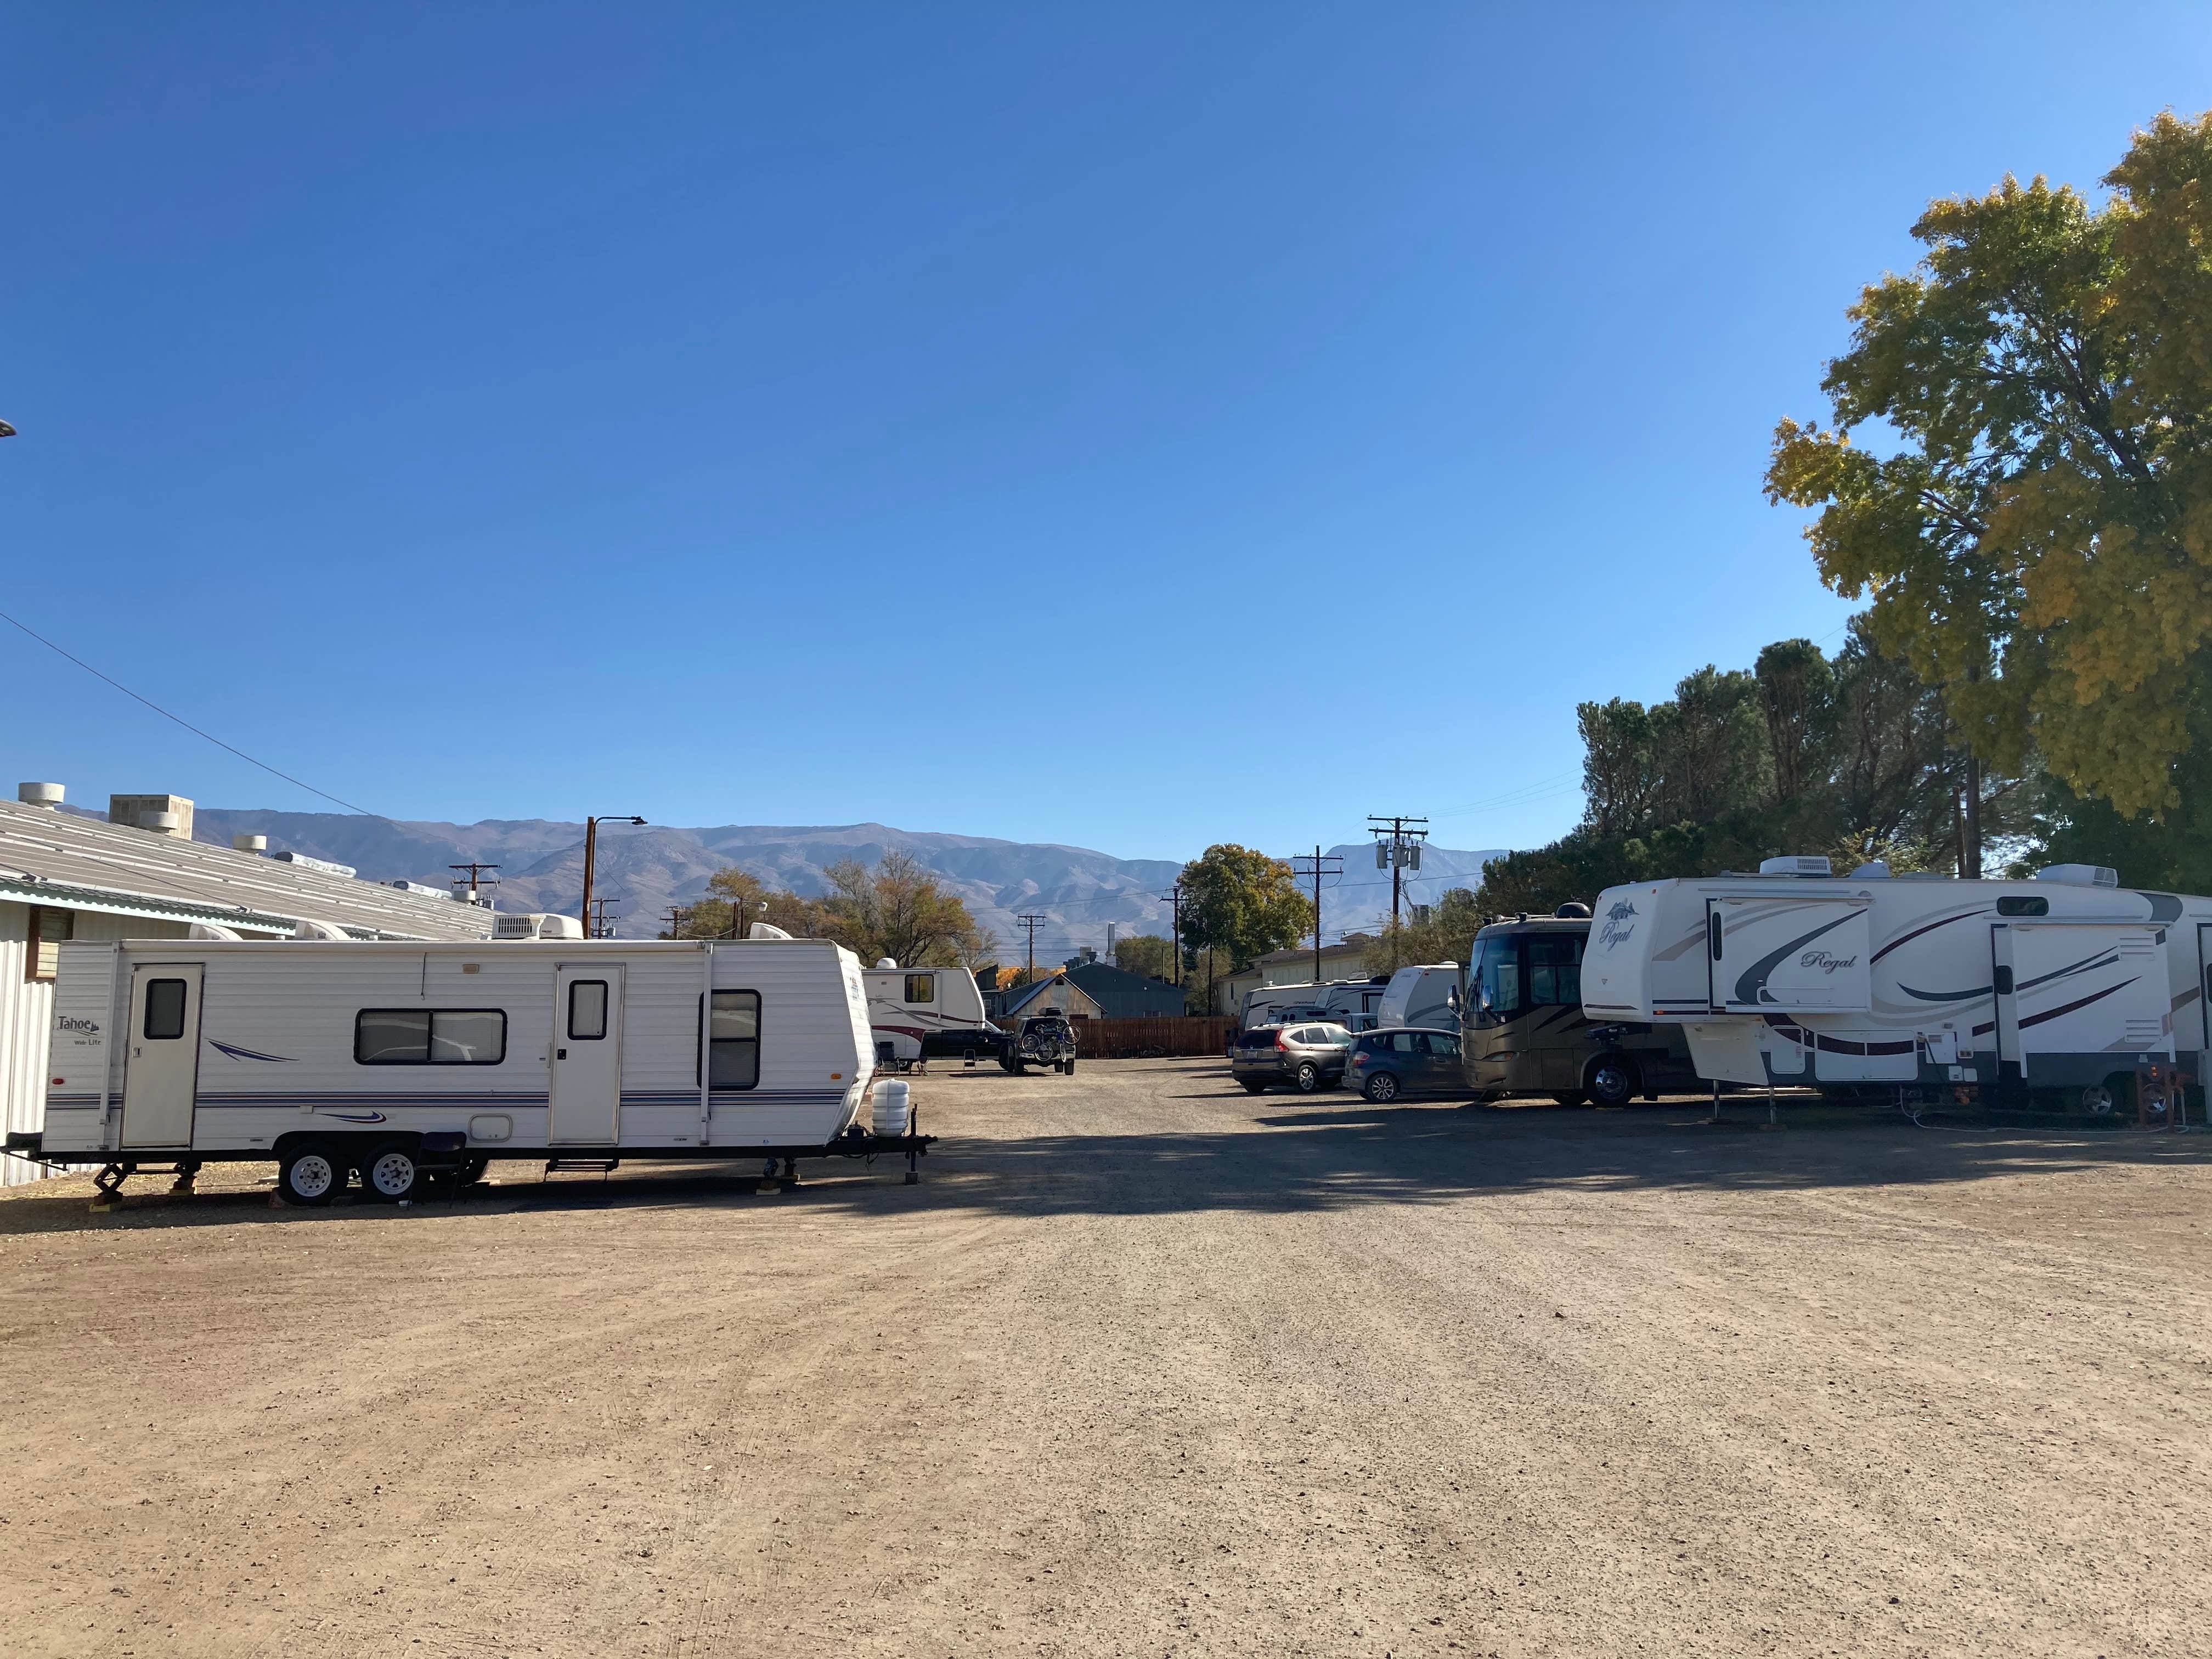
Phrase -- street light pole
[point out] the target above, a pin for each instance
(590, 853)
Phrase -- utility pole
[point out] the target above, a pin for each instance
(1320, 864)
(1174, 898)
(602, 926)
(476, 877)
(1397, 844)
(590, 853)
(1030, 922)
(676, 916)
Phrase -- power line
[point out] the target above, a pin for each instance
(1031, 922)
(180, 719)
(1317, 867)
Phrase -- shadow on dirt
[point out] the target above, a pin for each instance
(1284, 1155)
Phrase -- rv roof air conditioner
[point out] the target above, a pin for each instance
(536, 924)
(886, 962)
(2080, 875)
(1796, 864)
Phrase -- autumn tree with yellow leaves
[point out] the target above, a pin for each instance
(2030, 513)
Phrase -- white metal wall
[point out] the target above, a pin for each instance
(26, 1013)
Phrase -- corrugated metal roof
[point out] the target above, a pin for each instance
(55, 857)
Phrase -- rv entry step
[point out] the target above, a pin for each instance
(586, 1166)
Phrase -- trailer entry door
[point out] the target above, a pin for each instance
(162, 1055)
(587, 1024)
(2203, 984)
(1775, 953)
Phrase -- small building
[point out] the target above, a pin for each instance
(1046, 996)
(139, 875)
(1345, 959)
(1121, 994)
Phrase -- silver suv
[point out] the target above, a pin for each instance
(1307, 1057)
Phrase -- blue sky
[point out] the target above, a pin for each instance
(1137, 427)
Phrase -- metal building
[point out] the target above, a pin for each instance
(141, 876)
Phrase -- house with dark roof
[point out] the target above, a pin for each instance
(1121, 994)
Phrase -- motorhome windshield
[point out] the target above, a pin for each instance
(1496, 980)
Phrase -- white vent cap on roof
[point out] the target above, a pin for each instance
(886, 962)
(213, 930)
(38, 795)
(767, 930)
(250, 843)
(1796, 864)
(311, 928)
(2080, 875)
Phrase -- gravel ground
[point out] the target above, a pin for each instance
(1148, 1366)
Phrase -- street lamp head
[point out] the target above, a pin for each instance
(6, 431)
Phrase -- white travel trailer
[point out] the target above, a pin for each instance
(398, 1060)
(1262, 1003)
(1426, 995)
(918, 1013)
(2062, 986)
(1355, 1004)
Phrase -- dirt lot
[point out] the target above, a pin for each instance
(1144, 1365)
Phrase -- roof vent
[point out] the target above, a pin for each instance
(1573, 909)
(2080, 875)
(1872, 870)
(766, 930)
(1796, 864)
(310, 929)
(306, 863)
(213, 930)
(250, 843)
(885, 962)
(48, 795)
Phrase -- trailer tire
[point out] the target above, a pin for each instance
(1611, 1080)
(310, 1175)
(391, 1172)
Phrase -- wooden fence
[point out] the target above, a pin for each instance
(1153, 1034)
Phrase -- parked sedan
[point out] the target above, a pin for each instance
(1307, 1057)
(1405, 1060)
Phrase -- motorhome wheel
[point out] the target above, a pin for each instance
(1382, 1088)
(389, 1173)
(310, 1175)
(1611, 1080)
(1308, 1077)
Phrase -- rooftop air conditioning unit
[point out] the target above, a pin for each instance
(1795, 864)
(536, 924)
(2080, 875)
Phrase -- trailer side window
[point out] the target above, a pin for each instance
(733, 1040)
(587, 1011)
(921, 987)
(2023, 905)
(1555, 970)
(165, 1010)
(429, 1036)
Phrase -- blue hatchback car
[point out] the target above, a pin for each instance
(1405, 1060)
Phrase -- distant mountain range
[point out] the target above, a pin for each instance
(644, 870)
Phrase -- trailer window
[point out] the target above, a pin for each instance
(921, 987)
(733, 1040)
(2018, 905)
(1555, 970)
(165, 1010)
(587, 1011)
(429, 1036)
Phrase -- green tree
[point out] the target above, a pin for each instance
(1150, 954)
(897, 909)
(1446, 934)
(2035, 531)
(1242, 903)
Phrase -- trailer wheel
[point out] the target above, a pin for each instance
(1611, 1080)
(389, 1173)
(310, 1175)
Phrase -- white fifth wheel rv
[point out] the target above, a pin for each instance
(920, 1013)
(396, 1059)
(2062, 986)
